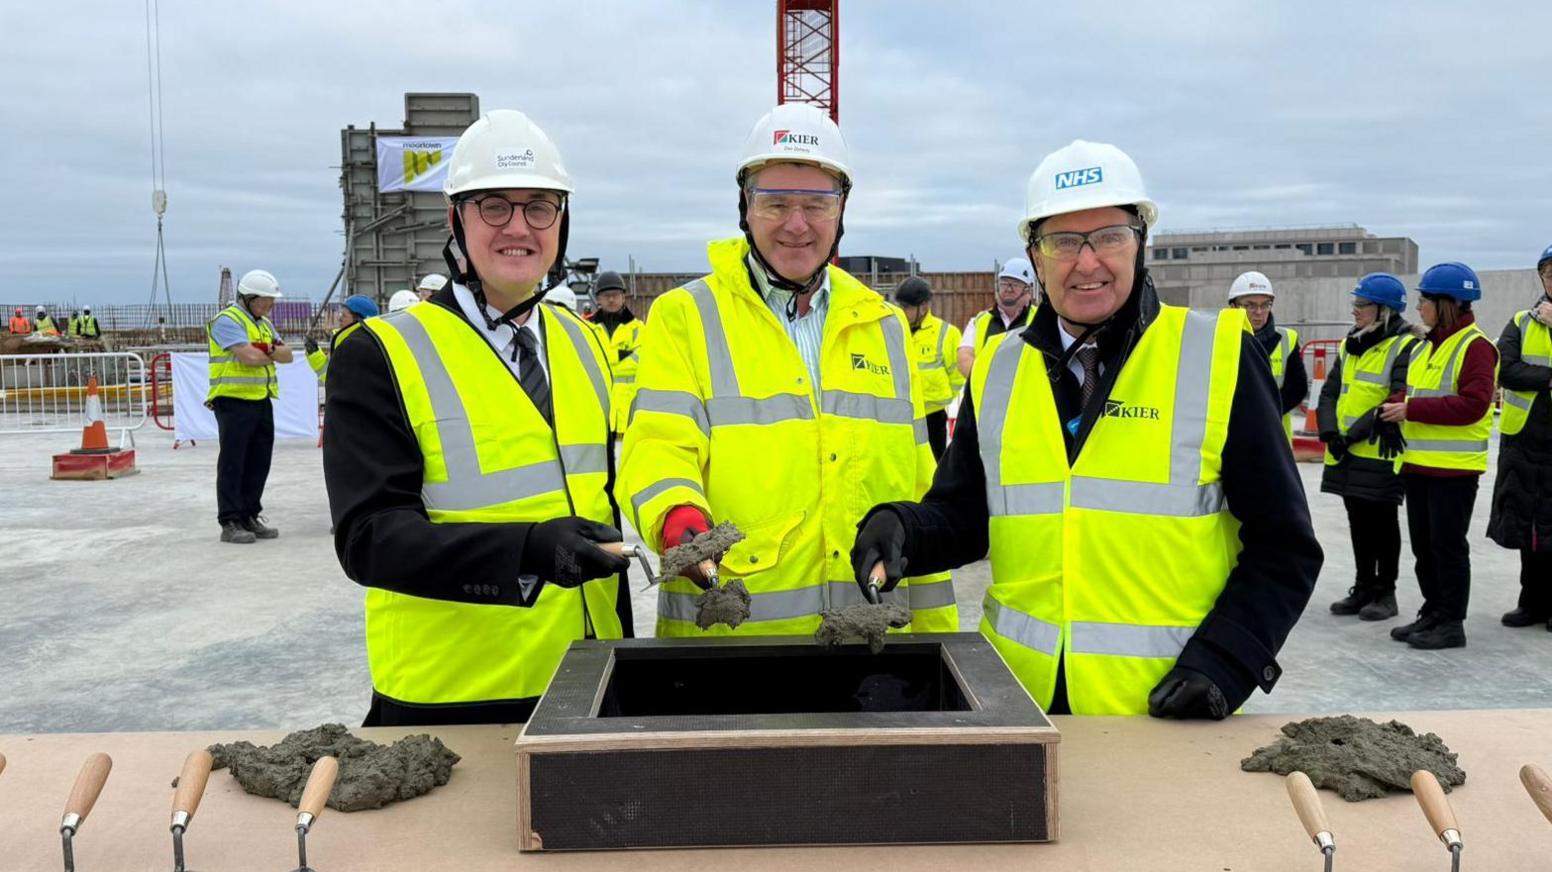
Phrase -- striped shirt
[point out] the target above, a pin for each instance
(805, 331)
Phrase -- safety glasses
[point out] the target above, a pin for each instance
(1106, 240)
(775, 204)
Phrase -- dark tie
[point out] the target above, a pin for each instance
(1088, 357)
(531, 375)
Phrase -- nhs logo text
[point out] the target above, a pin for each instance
(1074, 178)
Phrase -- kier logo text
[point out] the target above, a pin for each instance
(862, 363)
(787, 137)
(1119, 409)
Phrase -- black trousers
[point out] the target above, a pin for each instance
(1376, 534)
(1536, 581)
(1438, 513)
(937, 432)
(247, 430)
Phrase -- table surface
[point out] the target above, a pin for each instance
(1135, 794)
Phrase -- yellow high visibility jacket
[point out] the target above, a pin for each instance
(319, 362)
(230, 377)
(726, 420)
(1366, 384)
(45, 325)
(1113, 562)
(1287, 341)
(490, 458)
(1535, 348)
(1435, 372)
(983, 319)
(625, 350)
(935, 346)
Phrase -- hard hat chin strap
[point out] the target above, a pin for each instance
(777, 280)
(465, 274)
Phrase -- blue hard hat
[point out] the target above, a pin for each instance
(1451, 279)
(1382, 288)
(362, 306)
(1545, 256)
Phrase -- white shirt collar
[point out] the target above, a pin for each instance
(503, 336)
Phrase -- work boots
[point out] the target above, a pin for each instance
(1425, 620)
(231, 531)
(1443, 634)
(1383, 606)
(1522, 617)
(1358, 596)
(258, 529)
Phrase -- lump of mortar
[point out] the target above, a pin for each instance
(705, 546)
(728, 604)
(1356, 757)
(866, 622)
(370, 775)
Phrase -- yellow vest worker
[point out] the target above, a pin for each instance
(621, 332)
(1148, 554)
(356, 308)
(1253, 292)
(1535, 348)
(44, 325)
(231, 377)
(935, 350)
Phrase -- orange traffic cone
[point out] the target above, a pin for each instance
(94, 433)
(94, 459)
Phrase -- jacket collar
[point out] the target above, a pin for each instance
(850, 299)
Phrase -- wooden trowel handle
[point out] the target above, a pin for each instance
(1305, 801)
(319, 783)
(615, 549)
(191, 782)
(1431, 797)
(1535, 779)
(2, 762)
(88, 785)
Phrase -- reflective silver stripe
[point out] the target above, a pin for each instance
(579, 459)
(1518, 400)
(1030, 499)
(1523, 322)
(624, 379)
(1537, 359)
(681, 403)
(991, 418)
(936, 364)
(723, 411)
(899, 361)
(1193, 388)
(467, 486)
(1373, 378)
(1128, 640)
(930, 594)
(724, 380)
(240, 380)
(222, 358)
(1447, 446)
(1146, 498)
(584, 350)
(1446, 386)
(847, 593)
(1025, 629)
(727, 406)
(642, 496)
(919, 427)
(776, 605)
(942, 340)
(868, 407)
(1349, 421)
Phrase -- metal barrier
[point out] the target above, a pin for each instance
(161, 390)
(1319, 356)
(46, 393)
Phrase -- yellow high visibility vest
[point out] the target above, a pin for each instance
(1535, 348)
(490, 458)
(1112, 563)
(1366, 384)
(935, 345)
(1287, 341)
(1435, 372)
(983, 320)
(726, 420)
(45, 324)
(230, 377)
(319, 361)
(626, 338)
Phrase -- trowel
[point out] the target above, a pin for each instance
(88, 786)
(1535, 779)
(191, 788)
(314, 796)
(1441, 818)
(2, 763)
(1312, 814)
(708, 566)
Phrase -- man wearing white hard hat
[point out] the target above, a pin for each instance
(1149, 555)
(1253, 292)
(244, 348)
(469, 461)
(1011, 311)
(778, 393)
(430, 285)
(402, 299)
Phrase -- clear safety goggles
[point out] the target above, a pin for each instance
(1106, 240)
(775, 204)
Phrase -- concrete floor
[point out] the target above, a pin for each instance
(123, 611)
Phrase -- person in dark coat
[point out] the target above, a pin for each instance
(1522, 495)
(1361, 466)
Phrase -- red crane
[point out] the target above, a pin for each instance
(808, 54)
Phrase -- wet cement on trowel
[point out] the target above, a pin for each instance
(728, 604)
(865, 622)
(370, 775)
(1357, 758)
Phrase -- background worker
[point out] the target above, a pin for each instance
(622, 333)
(42, 324)
(935, 348)
(777, 393)
(470, 489)
(244, 348)
(357, 308)
(20, 324)
(1252, 291)
(402, 299)
(1522, 495)
(1148, 554)
(429, 285)
(1446, 420)
(1015, 298)
(84, 325)
(1363, 468)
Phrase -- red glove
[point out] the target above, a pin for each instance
(682, 524)
(262, 346)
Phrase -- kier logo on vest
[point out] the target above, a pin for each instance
(860, 362)
(1119, 409)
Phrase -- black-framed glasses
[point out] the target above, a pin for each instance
(1106, 240)
(497, 210)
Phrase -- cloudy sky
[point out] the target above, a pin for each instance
(1422, 118)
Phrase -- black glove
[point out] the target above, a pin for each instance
(1391, 442)
(565, 551)
(882, 537)
(311, 345)
(1336, 443)
(1186, 694)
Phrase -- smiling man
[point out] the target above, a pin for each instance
(779, 393)
(1148, 554)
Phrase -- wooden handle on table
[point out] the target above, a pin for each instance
(1431, 797)
(1305, 801)
(191, 782)
(1536, 782)
(88, 785)
(319, 783)
(2, 762)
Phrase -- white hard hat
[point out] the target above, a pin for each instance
(402, 299)
(41, 309)
(503, 150)
(796, 133)
(86, 309)
(1085, 175)
(561, 295)
(433, 282)
(1018, 268)
(1250, 284)
(258, 283)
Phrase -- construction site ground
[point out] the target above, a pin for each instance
(124, 611)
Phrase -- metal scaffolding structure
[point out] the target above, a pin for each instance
(808, 54)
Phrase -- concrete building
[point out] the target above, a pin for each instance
(1184, 263)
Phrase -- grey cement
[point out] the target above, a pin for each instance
(727, 604)
(123, 611)
(863, 622)
(1357, 758)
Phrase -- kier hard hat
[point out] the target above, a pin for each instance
(503, 150)
(1382, 288)
(258, 283)
(1018, 268)
(1451, 279)
(1084, 175)
(1251, 284)
(797, 133)
(402, 299)
(433, 283)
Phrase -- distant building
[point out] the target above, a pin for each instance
(1208, 261)
(876, 271)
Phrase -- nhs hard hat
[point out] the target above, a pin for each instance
(1084, 175)
(502, 150)
(1251, 284)
(1451, 279)
(258, 283)
(796, 133)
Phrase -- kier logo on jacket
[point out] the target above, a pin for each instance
(1119, 409)
(860, 362)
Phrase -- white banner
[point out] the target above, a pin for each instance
(413, 163)
(296, 412)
